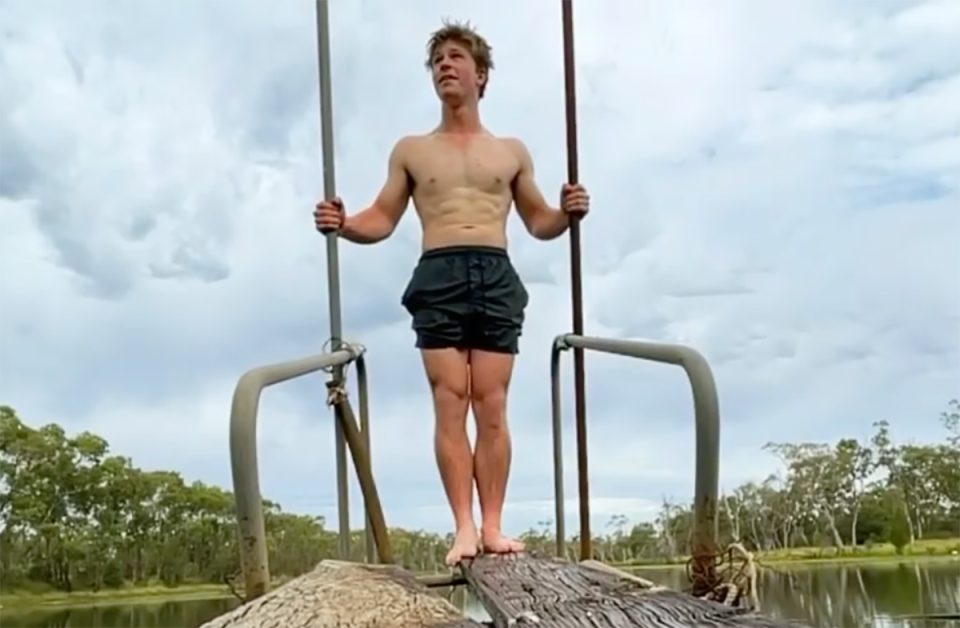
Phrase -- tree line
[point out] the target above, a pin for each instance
(75, 516)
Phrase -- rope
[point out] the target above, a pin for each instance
(336, 392)
(336, 388)
(737, 579)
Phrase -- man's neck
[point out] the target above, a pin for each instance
(460, 119)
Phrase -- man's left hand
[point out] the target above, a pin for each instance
(574, 200)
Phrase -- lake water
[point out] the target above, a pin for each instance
(880, 595)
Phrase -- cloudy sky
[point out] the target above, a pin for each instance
(775, 184)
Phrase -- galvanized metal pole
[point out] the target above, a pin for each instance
(557, 421)
(333, 261)
(576, 284)
(363, 393)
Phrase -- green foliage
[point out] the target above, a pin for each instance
(74, 516)
(898, 533)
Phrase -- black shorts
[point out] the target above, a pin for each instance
(467, 297)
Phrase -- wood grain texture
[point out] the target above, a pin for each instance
(523, 590)
(347, 595)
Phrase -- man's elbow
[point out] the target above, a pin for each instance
(370, 226)
(543, 234)
(548, 224)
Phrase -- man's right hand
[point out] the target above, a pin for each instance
(329, 215)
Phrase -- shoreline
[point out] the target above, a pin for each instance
(25, 601)
(800, 561)
(22, 601)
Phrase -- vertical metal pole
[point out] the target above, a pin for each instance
(364, 396)
(371, 498)
(556, 419)
(333, 261)
(706, 407)
(576, 284)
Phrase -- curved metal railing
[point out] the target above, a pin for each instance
(707, 423)
(246, 475)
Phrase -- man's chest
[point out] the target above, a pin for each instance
(441, 165)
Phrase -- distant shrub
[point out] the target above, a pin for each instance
(898, 534)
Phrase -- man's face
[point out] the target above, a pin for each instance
(455, 75)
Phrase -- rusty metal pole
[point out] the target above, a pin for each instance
(333, 263)
(576, 283)
(361, 462)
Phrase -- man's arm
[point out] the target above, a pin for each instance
(542, 221)
(379, 220)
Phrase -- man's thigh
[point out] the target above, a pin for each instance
(447, 370)
(490, 373)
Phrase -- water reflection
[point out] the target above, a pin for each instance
(461, 598)
(187, 614)
(831, 596)
(850, 595)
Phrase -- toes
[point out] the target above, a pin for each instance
(454, 556)
(502, 545)
(461, 551)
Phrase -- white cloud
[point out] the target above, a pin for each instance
(775, 184)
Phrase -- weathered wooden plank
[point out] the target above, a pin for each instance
(347, 595)
(520, 590)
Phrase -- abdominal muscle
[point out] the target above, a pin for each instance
(464, 217)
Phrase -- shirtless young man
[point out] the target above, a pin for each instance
(465, 297)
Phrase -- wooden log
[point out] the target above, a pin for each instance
(522, 590)
(643, 582)
(347, 595)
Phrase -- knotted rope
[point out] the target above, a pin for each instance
(336, 392)
(736, 576)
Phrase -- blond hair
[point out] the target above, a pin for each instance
(464, 34)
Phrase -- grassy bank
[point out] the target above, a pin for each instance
(921, 550)
(124, 595)
(883, 552)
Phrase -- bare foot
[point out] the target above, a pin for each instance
(465, 545)
(495, 543)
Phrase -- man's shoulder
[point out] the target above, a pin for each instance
(509, 140)
(408, 141)
(517, 147)
(412, 139)
(406, 146)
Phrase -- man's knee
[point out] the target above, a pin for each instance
(489, 407)
(450, 395)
